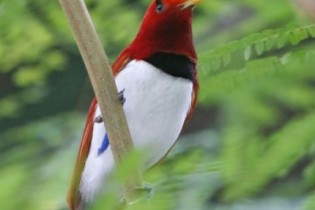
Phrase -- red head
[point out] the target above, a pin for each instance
(166, 27)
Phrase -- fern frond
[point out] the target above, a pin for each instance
(275, 161)
(259, 43)
(299, 63)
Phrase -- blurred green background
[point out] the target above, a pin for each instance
(249, 146)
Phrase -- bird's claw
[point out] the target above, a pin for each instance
(98, 119)
(121, 97)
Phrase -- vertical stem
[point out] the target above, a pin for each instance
(103, 84)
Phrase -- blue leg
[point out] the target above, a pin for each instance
(104, 145)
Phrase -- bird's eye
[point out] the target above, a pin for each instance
(159, 7)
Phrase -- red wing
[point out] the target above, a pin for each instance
(120, 62)
(74, 197)
(194, 96)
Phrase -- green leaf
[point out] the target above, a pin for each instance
(311, 31)
(260, 48)
(293, 38)
(247, 53)
(215, 64)
(282, 40)
(226, 59)
(269, 43)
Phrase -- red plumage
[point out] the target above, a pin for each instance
(169, 31)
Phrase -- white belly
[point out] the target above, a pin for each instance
(156, 107)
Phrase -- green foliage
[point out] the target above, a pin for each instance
(256, 75)
(311, 202)
(267, 99)
(259, 42)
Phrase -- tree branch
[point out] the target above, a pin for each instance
(102, 79)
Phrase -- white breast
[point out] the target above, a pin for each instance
(156, 107)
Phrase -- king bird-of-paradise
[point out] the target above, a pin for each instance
(156, 78)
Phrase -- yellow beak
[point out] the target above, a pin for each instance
(189, 3)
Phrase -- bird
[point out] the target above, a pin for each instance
(156, 77)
